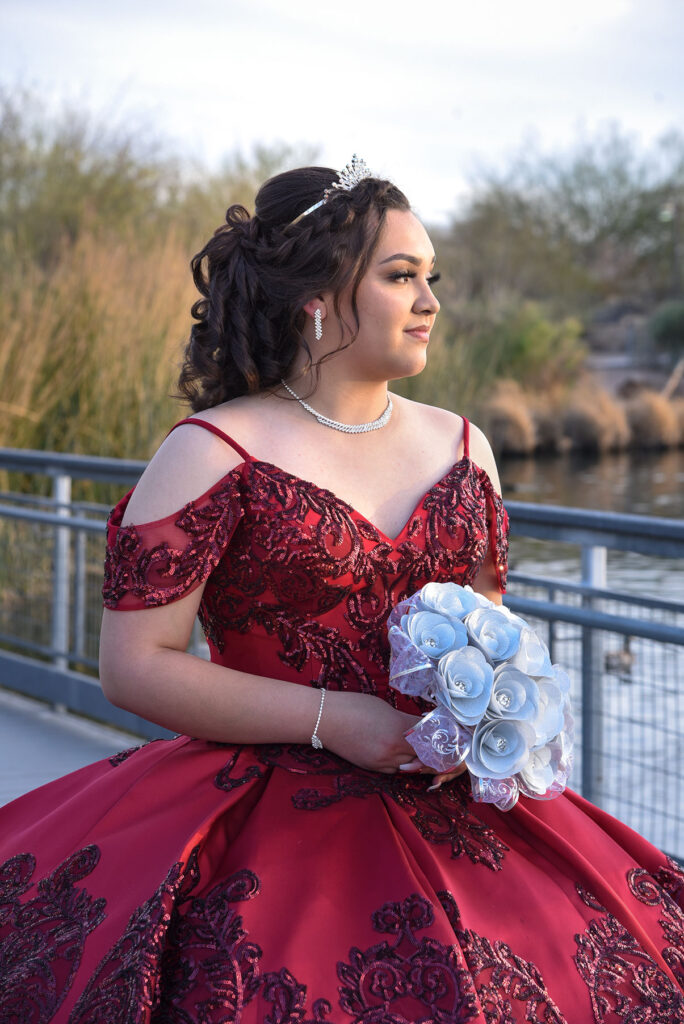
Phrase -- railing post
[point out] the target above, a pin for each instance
(551, 633)
(79, 592)
(61, 494)
(594, 563)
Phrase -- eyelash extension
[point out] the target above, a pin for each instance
(399, 274)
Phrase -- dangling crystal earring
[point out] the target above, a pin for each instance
(318, 324)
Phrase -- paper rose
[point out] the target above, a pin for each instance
(500, 748)
(450, 599)
(538, 774)
(532, 655)
(549, 720)
(465, 684)
(514, 695)
(495, 631)
(547, 771)
(433, 634)
(559, 677)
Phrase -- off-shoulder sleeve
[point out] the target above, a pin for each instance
(154, 563)
(498, 528)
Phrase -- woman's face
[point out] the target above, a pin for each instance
(396, 306)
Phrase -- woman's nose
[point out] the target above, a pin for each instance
(427, 302)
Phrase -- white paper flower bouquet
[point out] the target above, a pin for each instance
(500, 705)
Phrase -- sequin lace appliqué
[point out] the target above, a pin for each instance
(188, 957)
(160, 572)
(407, 980)
(624, 982)
(502, 978)
(661, 890)
(42, 939)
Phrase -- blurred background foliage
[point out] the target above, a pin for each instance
(98, 223)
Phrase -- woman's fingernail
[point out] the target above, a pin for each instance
(408, 767)
(436, 785)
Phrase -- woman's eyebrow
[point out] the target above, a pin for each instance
(415, 260)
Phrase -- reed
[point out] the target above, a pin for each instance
(506, 420)
(594, 421)
(548, 423)
(678, 406)
(653, 421)
(90, 349)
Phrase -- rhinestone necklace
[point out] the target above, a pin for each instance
(346, 428)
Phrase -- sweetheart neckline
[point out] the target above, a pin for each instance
(307, 483)
(326, 490)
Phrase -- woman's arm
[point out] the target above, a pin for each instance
(486, 581)
(145, 669)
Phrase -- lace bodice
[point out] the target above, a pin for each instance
(299, 585)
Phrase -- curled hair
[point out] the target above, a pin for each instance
(256, 273)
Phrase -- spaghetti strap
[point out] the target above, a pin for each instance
(466, 438)
(214, 430)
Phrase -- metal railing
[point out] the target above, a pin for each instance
(624, 652)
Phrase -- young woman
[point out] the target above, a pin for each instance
(287, 858)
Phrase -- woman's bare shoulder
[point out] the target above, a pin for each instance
(450, 424)
(430, 415)
(439, 422)
(482, 455)
(189, 461)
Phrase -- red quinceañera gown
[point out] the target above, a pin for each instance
(191, 881)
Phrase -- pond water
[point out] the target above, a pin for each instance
(650, 484)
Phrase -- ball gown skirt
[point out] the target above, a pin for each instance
(191, 881)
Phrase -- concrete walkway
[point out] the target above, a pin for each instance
(38, 744)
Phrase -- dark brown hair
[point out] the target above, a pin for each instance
(256, 273)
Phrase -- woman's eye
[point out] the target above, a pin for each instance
(406, 275)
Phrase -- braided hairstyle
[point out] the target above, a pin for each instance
(256, 273)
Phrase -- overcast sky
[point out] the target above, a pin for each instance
(423, 91)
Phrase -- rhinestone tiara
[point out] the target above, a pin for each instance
(355, 171)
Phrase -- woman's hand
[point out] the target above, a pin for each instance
(370, 733)
(416, 765)
(366, 730)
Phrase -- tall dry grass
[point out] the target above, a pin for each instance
(594, 421)
(653, 421)
(586, 418)
(98, 222)
(678, 406)
(90, 349)
(507, 421)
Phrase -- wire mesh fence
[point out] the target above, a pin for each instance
(28, 557)
(634, 734)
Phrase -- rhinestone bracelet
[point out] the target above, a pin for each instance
(315, 741)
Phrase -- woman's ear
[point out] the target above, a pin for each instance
(312, 305)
